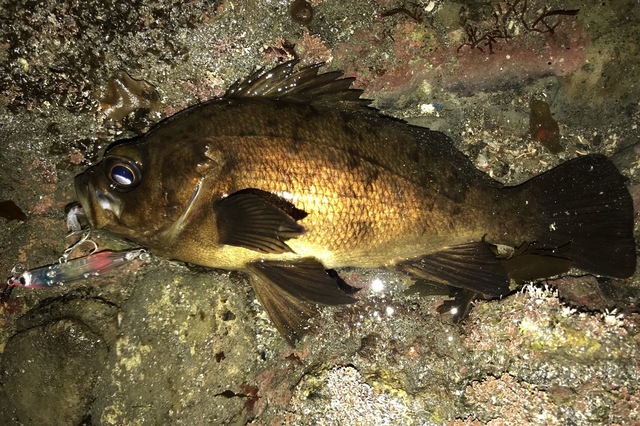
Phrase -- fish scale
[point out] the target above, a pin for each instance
(343, 199)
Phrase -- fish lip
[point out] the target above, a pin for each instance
(99, 206)
(82, 192)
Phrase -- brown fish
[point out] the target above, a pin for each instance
(291, 173)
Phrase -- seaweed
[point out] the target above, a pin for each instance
(414, 13)
(477, 39)
(503, 17)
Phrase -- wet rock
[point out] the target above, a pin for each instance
(49, 371)
(301, 12)
(50, 366)
(195, 348)
(592, 87)
(10, 211)
(583, 292)
(98, 315)
(186, 350)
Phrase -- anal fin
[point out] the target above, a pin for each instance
(290, 292)
(530, 261)
(473, 266)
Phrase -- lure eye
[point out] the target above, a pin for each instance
(124, 174)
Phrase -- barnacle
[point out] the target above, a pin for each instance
(301, 12)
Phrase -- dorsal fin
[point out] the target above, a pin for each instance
(284, 82)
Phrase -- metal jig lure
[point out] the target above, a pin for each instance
(66, 271)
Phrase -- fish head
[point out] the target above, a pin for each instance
(144, 188)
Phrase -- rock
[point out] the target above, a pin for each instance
(48, 373)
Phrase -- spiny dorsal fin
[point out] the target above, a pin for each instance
(284, 82)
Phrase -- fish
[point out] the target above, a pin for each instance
(292, 174)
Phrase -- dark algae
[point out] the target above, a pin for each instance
(291, 173)
(485, 24)
(10, 211)
(124, 94)
(542, 127)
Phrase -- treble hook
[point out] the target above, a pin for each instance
(84, 239)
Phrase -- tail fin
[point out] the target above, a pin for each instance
(584, 209)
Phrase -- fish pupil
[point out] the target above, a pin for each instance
(122, 175)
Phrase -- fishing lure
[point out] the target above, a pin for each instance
(71, 270)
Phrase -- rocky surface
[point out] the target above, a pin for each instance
(163, 343)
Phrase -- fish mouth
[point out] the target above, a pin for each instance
(100, 207)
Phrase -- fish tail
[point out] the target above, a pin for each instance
(582, 211)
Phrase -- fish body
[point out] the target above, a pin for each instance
(290, 174)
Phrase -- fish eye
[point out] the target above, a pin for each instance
(124, 174)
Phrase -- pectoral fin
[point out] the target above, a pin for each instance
(473, 266)
(257, 220)
(291, 291)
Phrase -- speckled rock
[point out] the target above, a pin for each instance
(172, 345)
(49, 373)
(185, 349)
